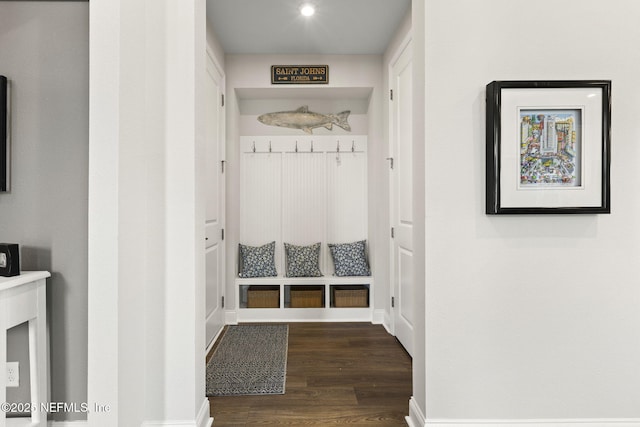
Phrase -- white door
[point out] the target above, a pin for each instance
(401, 197)
(214, 216)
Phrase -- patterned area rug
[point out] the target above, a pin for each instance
(249, 360)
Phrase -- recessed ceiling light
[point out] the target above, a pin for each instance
(307, 10)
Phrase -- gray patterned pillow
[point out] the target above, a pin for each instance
(350, 259)
(303, 261)
(257, 261)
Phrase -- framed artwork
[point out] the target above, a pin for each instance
(548, 147)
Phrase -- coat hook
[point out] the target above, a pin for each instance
(296, 146)
(338, 147)
(312, 145)
(269, 146)
(353, 146)
(254, 146)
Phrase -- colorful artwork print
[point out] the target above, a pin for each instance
(550, 148)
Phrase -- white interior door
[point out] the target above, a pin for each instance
(401, 197)
(214, 216)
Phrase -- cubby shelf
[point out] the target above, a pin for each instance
(304, 299)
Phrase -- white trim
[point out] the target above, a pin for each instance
(213, 341)
(231, 317)
(391, 324)
(379, 318)
(204, 418)
(211, 55)
(26, 422)
(569, 422)
(393, 181)
(178, 423)
(416, 418)
(387, 322)
(398, 51)
(82, 423)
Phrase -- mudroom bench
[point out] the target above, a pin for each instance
(325, 298)
(302, 190)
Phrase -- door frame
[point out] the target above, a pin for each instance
(401, 48)
(221, 197)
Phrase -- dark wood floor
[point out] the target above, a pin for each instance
(337, 373)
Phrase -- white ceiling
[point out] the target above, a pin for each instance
(276, 26)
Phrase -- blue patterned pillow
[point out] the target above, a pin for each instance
(257, 261)
(303, 261)
(350, 259)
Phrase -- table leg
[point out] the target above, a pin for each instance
(38, 364)
(3, 371)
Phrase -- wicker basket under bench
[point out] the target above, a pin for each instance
(263, 297)
(327, 298)
(350, 296)
(306, 296)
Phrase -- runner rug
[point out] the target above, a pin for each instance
(249, 360)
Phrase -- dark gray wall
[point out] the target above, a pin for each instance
(44, 52)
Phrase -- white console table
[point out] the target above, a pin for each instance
(23, 298)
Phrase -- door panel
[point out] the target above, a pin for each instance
(214, 214)
(401, 197)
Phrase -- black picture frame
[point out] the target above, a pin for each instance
(4, 154)
(525, 122)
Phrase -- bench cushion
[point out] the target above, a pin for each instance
(350, 259)
(302, 261)
(257, 261)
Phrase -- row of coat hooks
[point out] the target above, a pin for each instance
(353, 146)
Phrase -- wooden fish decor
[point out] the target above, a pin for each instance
(306, 120)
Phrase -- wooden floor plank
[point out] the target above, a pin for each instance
(337, 373)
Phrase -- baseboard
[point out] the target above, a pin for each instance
(204, 416)
(82, 423)
(213, 342)
(26, 422)
(378, 317)
(203, 419)
(231, 317)
(416, 418)
(586, 422)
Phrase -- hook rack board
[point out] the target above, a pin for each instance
(304, 144)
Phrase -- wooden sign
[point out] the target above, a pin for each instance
(299, 74)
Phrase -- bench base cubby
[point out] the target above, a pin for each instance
(291, 299)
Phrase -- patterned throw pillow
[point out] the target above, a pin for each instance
(350, 259)
(303, 261)
(258, 261)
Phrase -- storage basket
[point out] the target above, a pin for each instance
(306, 296)
(351, 296)
(263, 297)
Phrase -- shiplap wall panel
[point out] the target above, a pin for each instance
(260, 200)
(346, 198)
(303, 197)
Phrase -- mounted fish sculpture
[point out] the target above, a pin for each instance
(306, 120)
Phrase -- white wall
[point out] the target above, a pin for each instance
(146, 213)
(44, 52)
(253, 71)
(528, 317)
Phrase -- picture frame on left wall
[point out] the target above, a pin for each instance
(4, 134)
